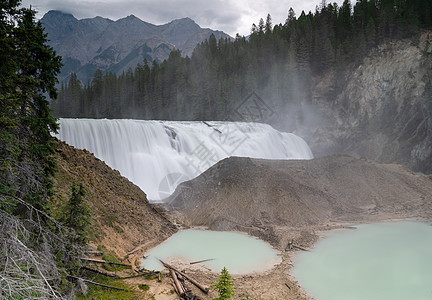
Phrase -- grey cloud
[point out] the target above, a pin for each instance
(230, 16)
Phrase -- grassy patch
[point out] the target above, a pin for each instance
(102, 293)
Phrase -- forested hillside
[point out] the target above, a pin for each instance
(278, 62)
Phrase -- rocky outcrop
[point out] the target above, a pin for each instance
(384, 110)
(257, 196)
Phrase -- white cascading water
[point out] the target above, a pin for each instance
(158, 155)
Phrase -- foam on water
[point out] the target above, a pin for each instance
(239, 253)
(151, 153)
(375, 262)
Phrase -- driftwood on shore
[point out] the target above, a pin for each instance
(300, 248)
(200, 261)
(193, 281)
(179, 287)
(291, 246)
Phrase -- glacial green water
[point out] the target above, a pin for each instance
(375, 261)
(239, 253)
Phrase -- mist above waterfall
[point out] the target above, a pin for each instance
(158, 155)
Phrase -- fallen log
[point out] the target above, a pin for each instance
(99, 284)
(200, 261)
(104, 262)
(141, 274)
(137, 248)
(298, 247)
(196, 283)
(175, 289)
(177, 283)
(99, 272)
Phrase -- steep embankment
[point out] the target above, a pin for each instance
(122, 217)
(256, 195)
(380, 109)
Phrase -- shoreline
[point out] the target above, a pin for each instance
(278, 281)
(266, 265)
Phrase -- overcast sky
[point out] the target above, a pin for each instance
(230, 16)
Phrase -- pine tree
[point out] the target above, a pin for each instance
(291, 17)
(224, 286)
(261, 26)
(77, 214)
(268, 25)
(28, 69)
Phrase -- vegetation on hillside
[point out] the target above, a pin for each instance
(279, 62)
(36, 250)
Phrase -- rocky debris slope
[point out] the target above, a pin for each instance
(383, 110)
(122, 217)
(256, 196)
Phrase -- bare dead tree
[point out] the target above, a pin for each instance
(28, 267)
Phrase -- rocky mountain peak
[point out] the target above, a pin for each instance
(57, 14)
(116, 46)
(59, 24)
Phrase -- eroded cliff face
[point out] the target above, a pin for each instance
(384, 108)
(122, 218)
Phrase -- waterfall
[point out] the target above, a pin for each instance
(158, 155)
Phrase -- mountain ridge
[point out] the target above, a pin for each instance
(115, 46)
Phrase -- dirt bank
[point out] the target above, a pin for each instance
(123, 219)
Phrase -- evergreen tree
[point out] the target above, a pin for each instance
(28, 69)
(268, 25)
(225, 286)
(291, 17)
(261, 26)
(77, 214)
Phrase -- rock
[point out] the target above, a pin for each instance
(384, 110)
